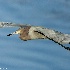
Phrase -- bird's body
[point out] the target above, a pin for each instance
(29, 33)
(24, 33)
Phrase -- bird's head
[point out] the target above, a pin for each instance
(17, 31)
(20, 31)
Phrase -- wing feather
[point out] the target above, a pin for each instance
(55, 36)
(10, 24)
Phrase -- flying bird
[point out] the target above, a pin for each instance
(29, 32)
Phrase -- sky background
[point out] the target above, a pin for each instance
(16, 54)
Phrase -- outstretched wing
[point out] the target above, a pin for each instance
(55, 36)
(10, 24)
